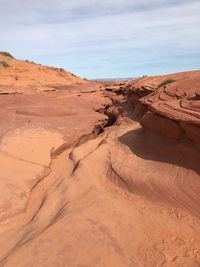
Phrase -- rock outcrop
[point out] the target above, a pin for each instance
(172, 102)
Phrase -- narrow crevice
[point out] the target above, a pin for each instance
(112, 114)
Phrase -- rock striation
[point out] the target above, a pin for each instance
(172, 102)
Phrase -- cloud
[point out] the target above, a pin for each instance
(104, 38)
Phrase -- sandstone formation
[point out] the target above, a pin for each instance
(174, 100)
(83, 184)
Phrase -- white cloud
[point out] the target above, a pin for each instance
(105, 38)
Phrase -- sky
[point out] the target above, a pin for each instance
(104, 38)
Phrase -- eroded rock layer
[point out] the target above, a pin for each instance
(172, 99)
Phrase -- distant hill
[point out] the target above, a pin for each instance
(24, 72)
(114, 79)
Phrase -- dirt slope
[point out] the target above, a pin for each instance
(18, 75)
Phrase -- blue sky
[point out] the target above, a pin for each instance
(104, 39)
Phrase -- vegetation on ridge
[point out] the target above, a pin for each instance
(6, 54)
(165, 82)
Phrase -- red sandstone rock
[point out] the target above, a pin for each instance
(177, 100)
(164, 125)
(129, 197)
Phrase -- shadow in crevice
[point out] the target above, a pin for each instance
(154, 146)
(181, 186)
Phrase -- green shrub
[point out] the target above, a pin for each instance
(165, 82)
(73, 74)
(6, 54)
(4, 64)
(31, 62)
(61, 70)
